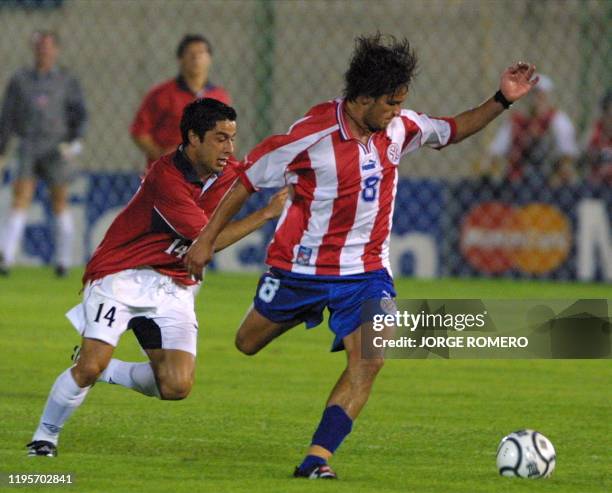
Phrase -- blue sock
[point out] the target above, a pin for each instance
(335, 425)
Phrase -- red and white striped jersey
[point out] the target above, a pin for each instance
(338, 219)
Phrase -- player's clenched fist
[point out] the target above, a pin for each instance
(198, 256)
(277, 203)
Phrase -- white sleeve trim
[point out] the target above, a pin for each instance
(435, 132)
(167, 222)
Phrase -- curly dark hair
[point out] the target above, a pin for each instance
(202, 115)
(379, 67)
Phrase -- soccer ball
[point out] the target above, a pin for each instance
(526, 454)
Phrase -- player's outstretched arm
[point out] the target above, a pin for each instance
(515, 82)
(201, 251)
(237, 230)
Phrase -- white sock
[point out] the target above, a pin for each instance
(64, 238)
(13, 232)
(64, 398)
(137, 376)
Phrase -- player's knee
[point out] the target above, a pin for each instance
(175, 390)
(86, 372)
(375, 365)
(21, 201)
(246, 346)
(370, 367)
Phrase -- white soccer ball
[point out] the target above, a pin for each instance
(526, 454)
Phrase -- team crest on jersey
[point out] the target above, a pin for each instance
(303, 255)
(394, 153)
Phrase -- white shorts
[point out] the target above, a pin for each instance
(111, 302)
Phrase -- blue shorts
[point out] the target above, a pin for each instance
(284, 296)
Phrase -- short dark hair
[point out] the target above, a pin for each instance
(379, 67)
(191, 38)
(202, 115)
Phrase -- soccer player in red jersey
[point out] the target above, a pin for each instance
(136, 278)
(155, 128)
(331, 247)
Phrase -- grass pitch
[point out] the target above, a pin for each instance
(430, 425)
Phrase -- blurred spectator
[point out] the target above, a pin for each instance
(44, 107)
(539, 142)
(598, 156)
(156, 127)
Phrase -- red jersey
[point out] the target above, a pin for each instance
(161, 110)
(159, 223)
(338, 220)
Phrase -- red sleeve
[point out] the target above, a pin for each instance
(174, 204)
(144, 120)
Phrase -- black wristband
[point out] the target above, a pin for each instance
(501, 99)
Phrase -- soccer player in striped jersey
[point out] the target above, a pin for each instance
(331, 246)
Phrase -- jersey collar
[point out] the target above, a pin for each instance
(182, 163)
(345, 131)
(182, 85)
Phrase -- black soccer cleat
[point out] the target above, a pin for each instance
(41, 448)
(322, 471)
(61, 271)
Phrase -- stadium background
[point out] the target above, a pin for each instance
(277, 58)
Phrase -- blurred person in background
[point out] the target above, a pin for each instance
(536, 145)
(44, 107)
(598, 155)
(155, 128)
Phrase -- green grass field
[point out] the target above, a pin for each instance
(430, 426)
